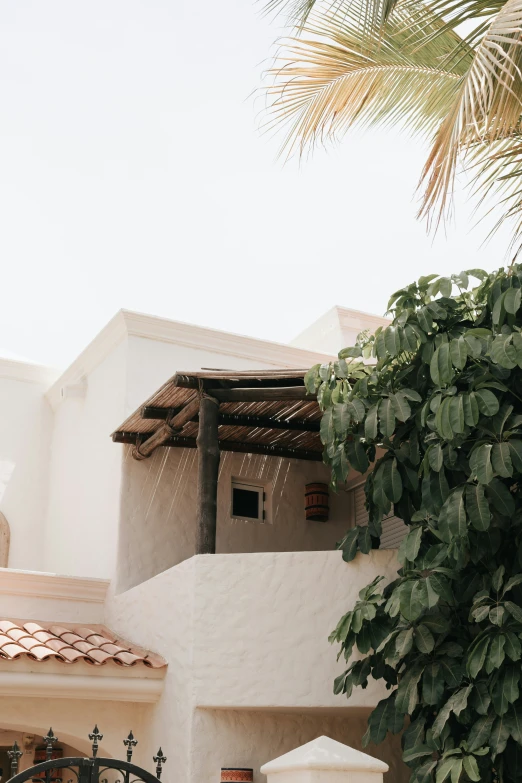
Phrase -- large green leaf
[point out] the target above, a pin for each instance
(512, 646)
(392, 482)
(480, 732)
(505, 691)
(452, 518)
(401, 406)
(496, 653)
(487, 402)
(327, 427)
(471, 768)
(410, 545)
(371, 423)
(392, 340)
(341, 419)
(435, 457)
(480, 463)
(407, 692)
(424, 639)
(477, 656)
(356, 453)
(512, 300)
(387, 417)
(458, 353)
(477, 507)
(501, 460)
(413, 599)
(503, 351)
(349, 547)
(471, 409)
(384, 718)
(356, 409)
(515, 450)
(499, 735)
(514, 610)
(432, 684)
(501, 498)
(456, 414)
(456, 703)
(443, 419)
(404, 642)
(441, 369)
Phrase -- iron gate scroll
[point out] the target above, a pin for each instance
(86, 770)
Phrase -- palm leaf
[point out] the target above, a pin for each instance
(373, 13)
(334, 77)
(487, 108)
(297, 11)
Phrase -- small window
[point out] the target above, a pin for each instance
(248, 501)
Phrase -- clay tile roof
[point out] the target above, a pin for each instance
(94, 644)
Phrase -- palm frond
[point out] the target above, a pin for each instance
(496, 168)
(334, 77)
(487, 108)
(456, 14)
(296, 11)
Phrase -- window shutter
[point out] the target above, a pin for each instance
(393, 528)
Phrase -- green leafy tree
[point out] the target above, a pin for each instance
(438, 417)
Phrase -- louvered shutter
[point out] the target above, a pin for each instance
(393, 528)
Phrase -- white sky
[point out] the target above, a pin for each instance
(132, 174)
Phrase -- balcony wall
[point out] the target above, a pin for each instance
(261, 627)
(251, 630)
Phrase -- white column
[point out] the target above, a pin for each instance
(325, 761)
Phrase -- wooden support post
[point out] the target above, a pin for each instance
(208, 469)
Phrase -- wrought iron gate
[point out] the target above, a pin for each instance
(93, 769)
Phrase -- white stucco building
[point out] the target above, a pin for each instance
(107, 614)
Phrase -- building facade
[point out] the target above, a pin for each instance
(108, 616)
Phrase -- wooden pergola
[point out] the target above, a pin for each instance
(266, 412)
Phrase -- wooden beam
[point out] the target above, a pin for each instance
(208, 469)
(153, 412)
(270, 451)
(243, 378)
(243, 447)
(261, 394)
(229, 381)
(239, 420)
(167, 430)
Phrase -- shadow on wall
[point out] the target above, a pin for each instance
(239, 738)
(158, 510)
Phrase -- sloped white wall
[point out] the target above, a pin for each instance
(25, 433)
(85, 475)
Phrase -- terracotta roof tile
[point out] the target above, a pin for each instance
(94, 644)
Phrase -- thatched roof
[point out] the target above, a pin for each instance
(264, 412)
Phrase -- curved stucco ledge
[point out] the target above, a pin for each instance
(78, 686)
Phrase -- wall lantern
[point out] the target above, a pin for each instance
(236, 775)
(316, 502)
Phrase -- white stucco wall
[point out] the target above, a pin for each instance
(25, 433)
(85, 474)
(158, 510)
(266, 619)
(245, 633)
